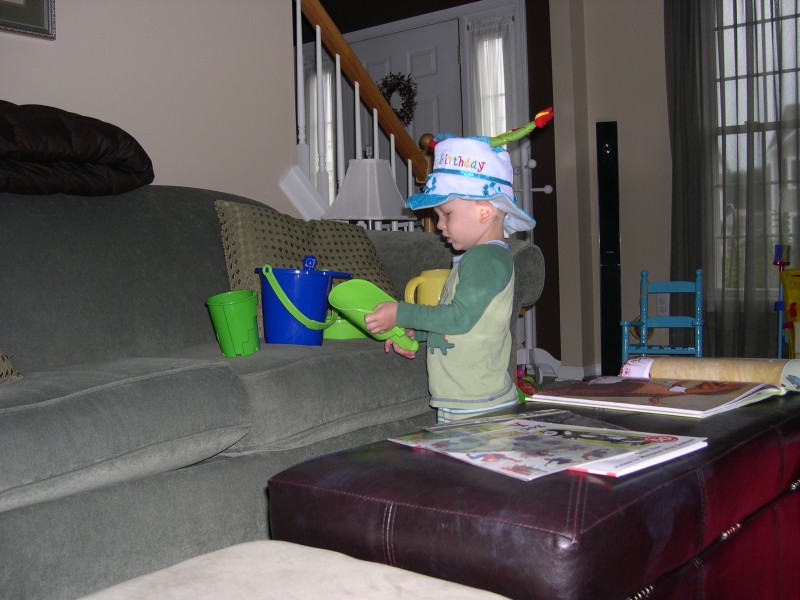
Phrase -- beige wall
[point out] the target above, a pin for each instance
(608, 65)
(205, 86)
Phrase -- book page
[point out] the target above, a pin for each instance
(637, 366)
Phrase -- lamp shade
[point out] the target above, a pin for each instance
(369, 193)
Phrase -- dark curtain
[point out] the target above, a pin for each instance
(732, 88)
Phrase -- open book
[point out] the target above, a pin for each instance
(681, 386)
(528, 449)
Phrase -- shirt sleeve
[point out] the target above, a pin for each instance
(484, 271)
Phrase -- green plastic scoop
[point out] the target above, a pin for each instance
(357, 298)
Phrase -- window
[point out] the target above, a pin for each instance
(755, 179)
(489, 43)
(732, 81)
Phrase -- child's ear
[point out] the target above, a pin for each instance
(486, 210)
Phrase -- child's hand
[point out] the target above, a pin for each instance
(390, 345)
(383, 318)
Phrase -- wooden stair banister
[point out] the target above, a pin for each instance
(370, 94)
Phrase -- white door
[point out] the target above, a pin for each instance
(429, 54)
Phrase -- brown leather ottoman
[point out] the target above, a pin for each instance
(723, 522)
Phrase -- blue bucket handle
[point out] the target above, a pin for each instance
(289, 306)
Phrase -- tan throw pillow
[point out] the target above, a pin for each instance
(7, 371)
(345, 247)
(255, 235)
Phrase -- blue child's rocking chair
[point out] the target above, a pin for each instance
(643, 327)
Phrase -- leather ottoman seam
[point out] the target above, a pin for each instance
(773, 508)
(703, 488)
(782, 444)
(388, 534)
(575, 506)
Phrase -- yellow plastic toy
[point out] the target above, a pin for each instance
(790, 282)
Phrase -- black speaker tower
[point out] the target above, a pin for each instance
(610, 280)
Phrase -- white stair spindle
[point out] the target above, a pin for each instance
(375, 153)
(303, 152)
(322, 174)
(410, 180)
(357, 118)
(340, 165)
(391, 155)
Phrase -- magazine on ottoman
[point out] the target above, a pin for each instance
(528, 449)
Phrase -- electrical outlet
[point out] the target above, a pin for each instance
(662, 305)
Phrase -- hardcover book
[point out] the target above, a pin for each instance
(681, 386)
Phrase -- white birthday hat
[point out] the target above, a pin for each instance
(476, 168)
(470, 169)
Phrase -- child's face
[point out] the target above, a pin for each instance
(460, 223)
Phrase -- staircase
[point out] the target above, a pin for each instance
(309, 191)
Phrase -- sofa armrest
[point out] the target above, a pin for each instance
(529, 272)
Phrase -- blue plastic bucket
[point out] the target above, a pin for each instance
(295, 303)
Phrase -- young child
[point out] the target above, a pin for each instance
(467, 334)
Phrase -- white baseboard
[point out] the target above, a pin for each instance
(593, 370)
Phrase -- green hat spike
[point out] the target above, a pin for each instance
(540, 120)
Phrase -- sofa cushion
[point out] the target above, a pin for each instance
(300, 395)
(79, 427)
(95, 278)
(7, 370)
(354, 382)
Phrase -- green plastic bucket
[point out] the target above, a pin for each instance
(234, 317)
(341, 329)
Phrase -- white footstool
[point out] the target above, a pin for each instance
(272, 569)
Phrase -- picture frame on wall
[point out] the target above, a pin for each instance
(29, 17)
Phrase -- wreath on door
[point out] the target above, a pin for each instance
(406, 89)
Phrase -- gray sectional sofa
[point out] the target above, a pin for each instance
(129, 443)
